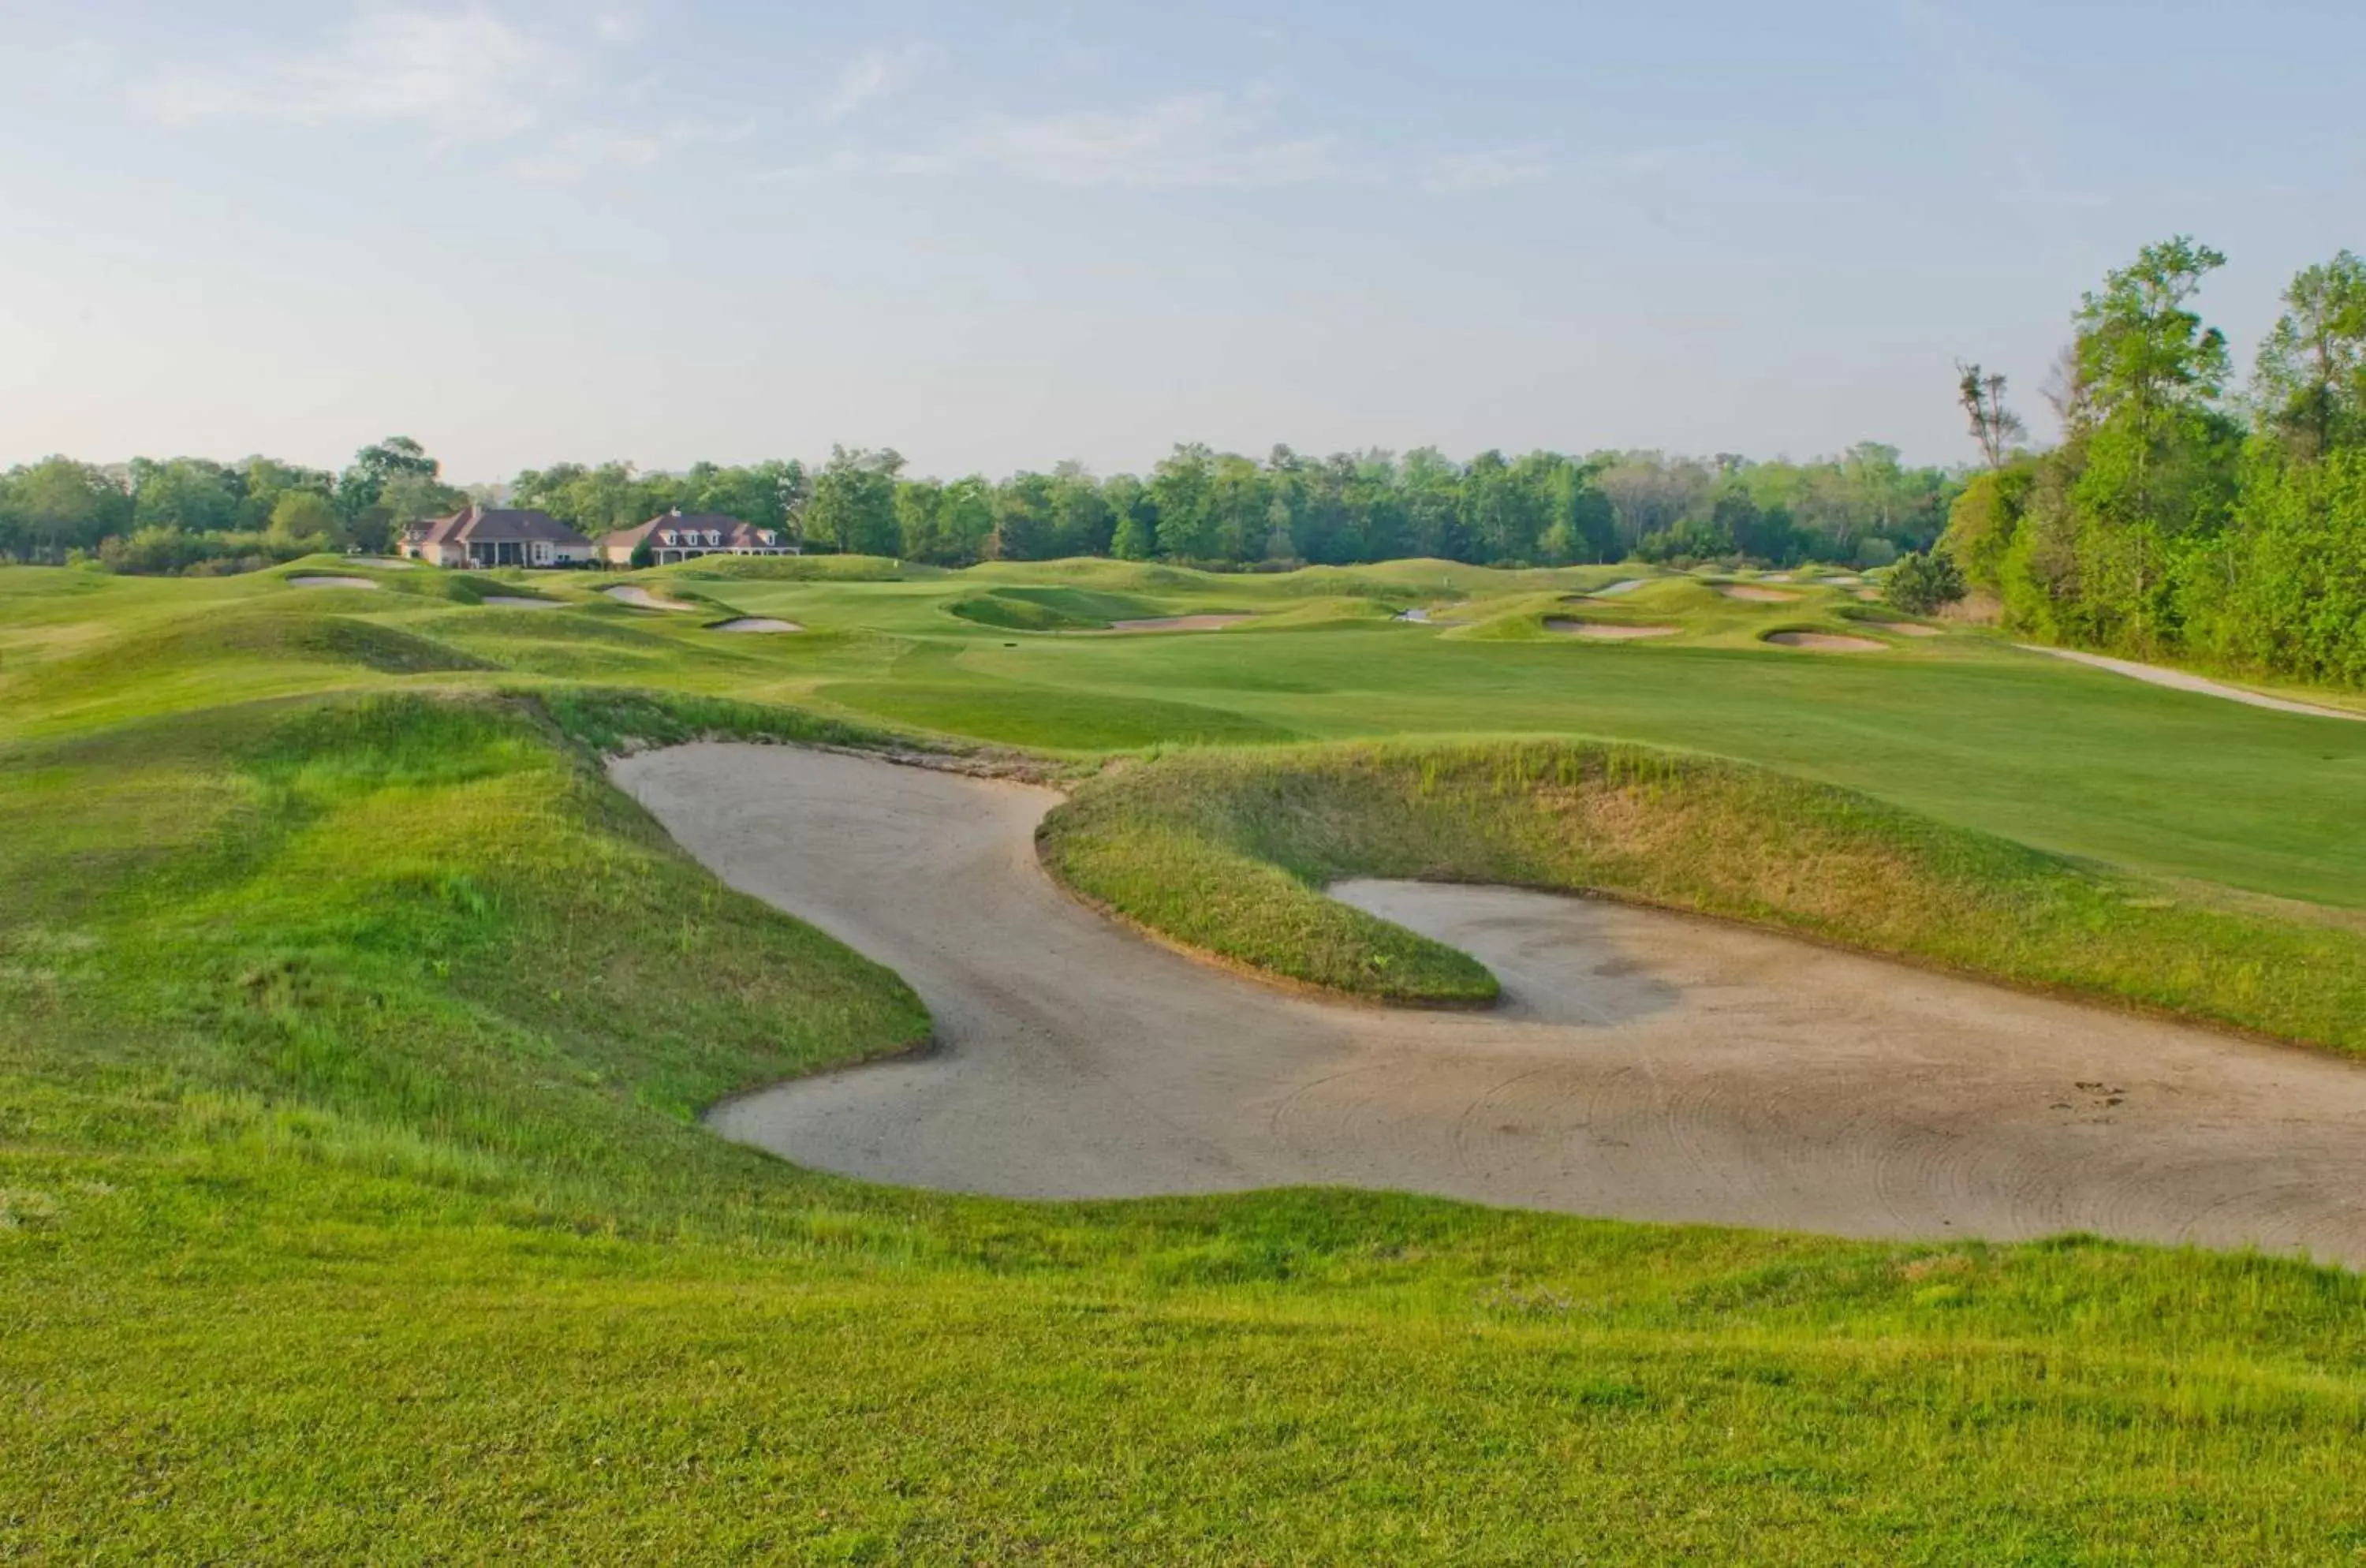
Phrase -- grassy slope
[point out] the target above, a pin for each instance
(1227, 850)
(349, 1205)
(1958, 727)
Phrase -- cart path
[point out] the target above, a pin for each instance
(2186, 681)
(1643, 1065)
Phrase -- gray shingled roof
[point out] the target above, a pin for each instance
(475, 524)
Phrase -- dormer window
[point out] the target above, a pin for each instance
(768, 535)
(666, 536)
(713, 538)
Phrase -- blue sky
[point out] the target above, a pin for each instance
(999, 236)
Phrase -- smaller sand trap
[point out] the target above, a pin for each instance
(1905, 628)
(1180, 624)
(330, 583)
(1823, 642)
(1870, 595)
(1606, 631)
(1418, 617)
(1777, 577)
(1627, 586)
(1758, 595)
(514, 602)
(642, 598)
(756, 624)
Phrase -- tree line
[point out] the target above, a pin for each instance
(2182, 515)
(1196, 506)
(195, 515)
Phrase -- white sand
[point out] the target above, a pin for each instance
(1642, 1064)
(1758, 595)
(1615, 589)
(515, 602)
(1907, 628)
(330, 583)
(1606, 631)
(2181, 680)
(756, 624)
(641, 598)
(1822, 642)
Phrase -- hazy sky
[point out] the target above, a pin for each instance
(999, 235)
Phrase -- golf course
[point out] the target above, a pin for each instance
(828, 1058)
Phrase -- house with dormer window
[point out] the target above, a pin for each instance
(678, 535)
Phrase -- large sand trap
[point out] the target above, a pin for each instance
(1758, 595)
(330, 583)
(1907, 628)
(1822, 642)
(519, 601)
(1180, 624)
(756, 624)
(2179, 680)
(1606, 631)
(641, 598)
(1643, 1065)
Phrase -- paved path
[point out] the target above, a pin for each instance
(2184, 680)
(1643, 1065)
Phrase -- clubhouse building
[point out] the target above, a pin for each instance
(482, 536)
(679, 535)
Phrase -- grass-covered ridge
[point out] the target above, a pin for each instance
(352, 1206)
(1227, 852)
(1039, 609)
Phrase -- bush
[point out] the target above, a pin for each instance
(1920, 584)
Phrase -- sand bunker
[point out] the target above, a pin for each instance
(2179, 680)
(384, 563)
(642, 598)
(1606, 631)
(756, 624)
(330, 583)
(1822, 642)
(1615, 589)
(1642, 1064)
(1907, 628)
(1180, 624)
(1758, 595)
(518, 601)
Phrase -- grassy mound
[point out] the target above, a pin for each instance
(351, 1206)
(183, 648)
(789, 568)
(1228, 852)
(1050, 609)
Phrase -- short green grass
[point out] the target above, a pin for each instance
(352, 1205)
(1227, 852)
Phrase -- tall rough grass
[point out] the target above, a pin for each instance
(1228, 851)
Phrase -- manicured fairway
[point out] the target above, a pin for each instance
(353, 1202)
(1963, 727)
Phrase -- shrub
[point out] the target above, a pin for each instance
(1920, 584)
